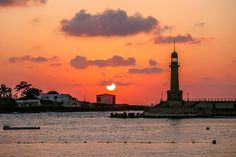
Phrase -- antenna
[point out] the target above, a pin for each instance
(174, 45)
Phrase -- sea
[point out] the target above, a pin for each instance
(94, 134)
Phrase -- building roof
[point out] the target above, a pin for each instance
(105, 94)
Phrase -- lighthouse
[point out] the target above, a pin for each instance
(174, 94)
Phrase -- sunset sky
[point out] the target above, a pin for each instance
(80, 46)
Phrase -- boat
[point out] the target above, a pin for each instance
(6, 127)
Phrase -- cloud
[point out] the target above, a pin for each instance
(159, 38)
(128, 43)
(55, 64)
(77, 85)
(24, 3)
(36, 20)
(200, 24)
(154, 70)
(120, 76)
(108, 23)
(167, 28)
(38, 59)
(178, 38)
(152, 62)
(207, 79)
(117, 83)
(81, 62)
(38, 46)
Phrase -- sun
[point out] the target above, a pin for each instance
(111, 87)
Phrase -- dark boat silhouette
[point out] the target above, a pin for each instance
(5, 127)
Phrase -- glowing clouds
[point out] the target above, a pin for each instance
(108, 23)
(38, 59)
(152, 62)
(8, 3)
(154, 70)
(178, 38)
(119, 23)
(81, 62)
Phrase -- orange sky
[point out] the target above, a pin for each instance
(36, 46)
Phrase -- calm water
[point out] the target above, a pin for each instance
(94, 134)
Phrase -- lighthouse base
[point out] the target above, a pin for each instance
(174, 95)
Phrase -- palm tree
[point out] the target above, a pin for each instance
(22, 86)
(5, 92)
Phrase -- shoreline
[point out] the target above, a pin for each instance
(40, 109)
(128, 115)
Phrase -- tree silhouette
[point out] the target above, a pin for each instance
(5, 92)
(23, 86)
(52, 92)
(33, 93)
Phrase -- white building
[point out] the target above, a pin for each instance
(106, 99)
(65, 99)
(55, 97)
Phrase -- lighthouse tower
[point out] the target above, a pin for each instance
(174, 94)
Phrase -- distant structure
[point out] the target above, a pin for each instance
(176, 107)
(174, 94)
(56, 97)
(106, 99)
(64, 99)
